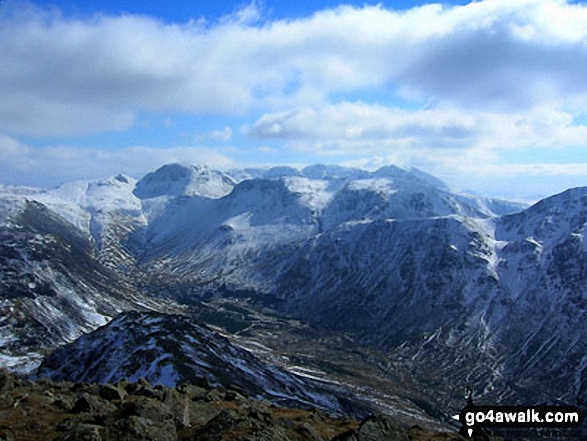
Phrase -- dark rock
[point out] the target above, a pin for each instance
(111, 393)
(21, 399)
(238, 390)
(7, 401)
(82, 405)
(286, 423)
(257, 425)
(204, 383)
(82, 432)
(183, 388)
(78, 387)
(63, 403)
(66, 425)
(142, 381)
(308, 433)
(217, 426)
(122, 384)
(127, 409)
(260, 417)
(349, 435)
(88, 404)
(106, 412)
(147, 409)
(131, 388)
(144, 389)
(6, 436)
(84, 387)
(191, 391)
(147, 392)
(214, 395)
(230, 395)
(375, 428)
(178, 405)
(138, 428)
(381, 427)
(6, 381)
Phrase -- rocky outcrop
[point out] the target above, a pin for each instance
(67, 411)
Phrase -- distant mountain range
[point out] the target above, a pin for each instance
(456, 289)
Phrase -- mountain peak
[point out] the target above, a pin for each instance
(413, 175)
(184, 180)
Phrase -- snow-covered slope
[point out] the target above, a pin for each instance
(52, 288)
(174, 349)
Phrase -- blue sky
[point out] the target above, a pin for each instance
(489, 96)
(182, 11)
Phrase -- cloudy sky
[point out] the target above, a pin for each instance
(490, 95)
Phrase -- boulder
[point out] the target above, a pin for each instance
(375, 428)
(139, 428)
(88, 403)
(111, 393)
(83, 432)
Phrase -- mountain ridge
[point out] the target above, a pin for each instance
(449, 288)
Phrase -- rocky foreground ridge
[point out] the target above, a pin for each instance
(47, 410)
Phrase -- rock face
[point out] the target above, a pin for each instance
(171, 350)
(47, 410)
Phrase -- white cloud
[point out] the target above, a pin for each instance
(466, 149)
(45, 167)
(529, 182)
(497, 74)
(358, 128)
(67, 75)
(482, 173)
(221, 135)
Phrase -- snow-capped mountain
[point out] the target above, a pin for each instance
(203, 236)
(184, 180)
(456, 288)
(106, 212)
(54, 284)
(174, 349)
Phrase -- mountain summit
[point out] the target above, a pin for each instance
(184, 180)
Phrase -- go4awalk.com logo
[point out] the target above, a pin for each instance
(475, 418)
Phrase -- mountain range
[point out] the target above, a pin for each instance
(454, 289)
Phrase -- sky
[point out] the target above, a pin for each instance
(489, 96)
